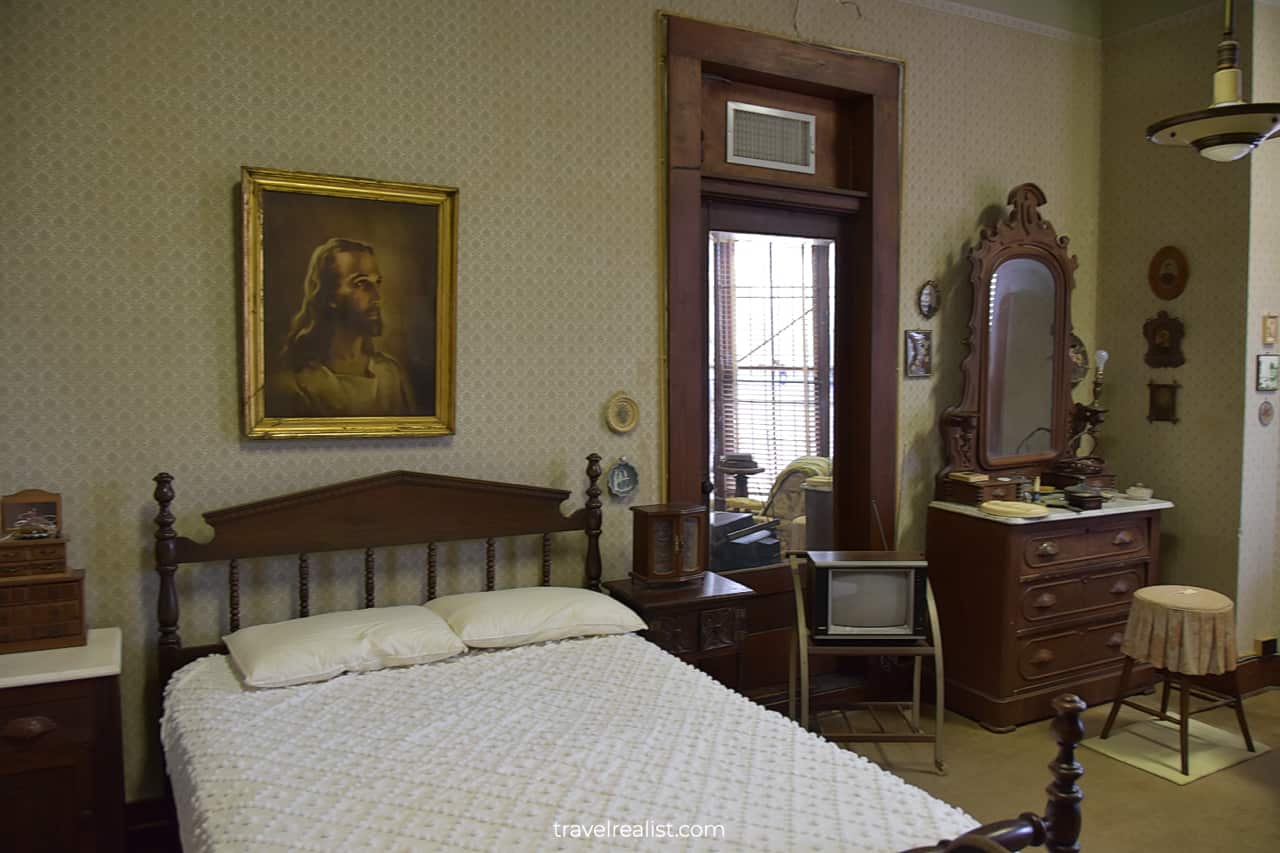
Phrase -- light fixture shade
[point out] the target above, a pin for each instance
(1220, 133)
(1230, 128)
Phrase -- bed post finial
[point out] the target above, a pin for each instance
(594, 522)
(1063, 810)
(166, 565)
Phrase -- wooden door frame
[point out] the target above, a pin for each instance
(865, 444)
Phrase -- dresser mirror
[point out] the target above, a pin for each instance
(1015, 413)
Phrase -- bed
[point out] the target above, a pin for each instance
(590, 743)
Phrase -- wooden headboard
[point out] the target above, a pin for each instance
(396, 508)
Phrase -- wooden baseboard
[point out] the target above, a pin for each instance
(151, 826)
(1253, 674)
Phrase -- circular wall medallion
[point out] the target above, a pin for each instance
(622, 412)
(1167, 273)
(927, 299)
(1266, 413)
(1078, 353)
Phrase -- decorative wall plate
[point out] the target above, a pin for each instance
(1266, 413)
(1078, 353)
(622, 413)
(1167, 273)
(927, 299)
(1164, 341)
(623, 479)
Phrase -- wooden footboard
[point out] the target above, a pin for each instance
(1058, 830)
(396, 508)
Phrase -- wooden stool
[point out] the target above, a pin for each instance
(1184, 632)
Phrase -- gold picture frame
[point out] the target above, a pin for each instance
(1270, 324)
(348, 314)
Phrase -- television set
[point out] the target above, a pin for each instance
(867, 597)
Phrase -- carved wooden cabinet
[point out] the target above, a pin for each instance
(700, 622)
(670, 543)
(61, 771)
(1031, 609)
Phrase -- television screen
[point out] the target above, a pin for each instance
(863, 599)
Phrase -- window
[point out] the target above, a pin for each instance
(771, 326)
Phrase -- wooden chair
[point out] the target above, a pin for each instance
(803, 647)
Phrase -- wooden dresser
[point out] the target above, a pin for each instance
(61, 771)
(1034, 608)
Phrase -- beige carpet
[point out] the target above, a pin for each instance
(1152, 745)
(1126, 810)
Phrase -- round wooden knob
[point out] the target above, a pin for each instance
(1047, 549)
(1120, 588)
(1124, 537)
(1045, 601)
(1116, 640)
(1042, 656)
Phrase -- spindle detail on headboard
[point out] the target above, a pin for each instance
(397, 508)
(304, 585)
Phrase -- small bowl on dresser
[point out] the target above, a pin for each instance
(1083, 497)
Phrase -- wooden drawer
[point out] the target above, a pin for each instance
(1052, 655)
(32, 556)
(1053, 549)
(1081, 594)
(675, 632)
(721, 628)
(1064, 546)
(45, 717)
(1118, 541)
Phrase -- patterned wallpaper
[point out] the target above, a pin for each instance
(124, 125)
(1259, 600)
(1152, 197)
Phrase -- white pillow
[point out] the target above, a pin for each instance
(316, 648)
(513, 617)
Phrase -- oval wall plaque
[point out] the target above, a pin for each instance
(1167, 274)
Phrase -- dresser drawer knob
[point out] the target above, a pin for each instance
(1047, 549)
(1120, 588)
(1045, 601)
(28, 728)
(1124, 537)
(1116, 640)
(1042, 656)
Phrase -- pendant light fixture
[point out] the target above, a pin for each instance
(1230, 128)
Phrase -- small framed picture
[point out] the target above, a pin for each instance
(1268, 372)
(1270, 324)
(1163, 402)
(919, 353)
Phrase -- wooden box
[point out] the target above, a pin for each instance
(32, 557)
(670, 543)
(1005, 489)
(43, 611)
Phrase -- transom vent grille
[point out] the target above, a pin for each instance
(770, 138)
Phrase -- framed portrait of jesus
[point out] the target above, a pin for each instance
(348, 306)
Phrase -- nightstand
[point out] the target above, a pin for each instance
(699, 622)
(61, 769)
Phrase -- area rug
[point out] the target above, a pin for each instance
(1152, 745)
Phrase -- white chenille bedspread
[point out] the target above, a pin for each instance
(491, 750)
